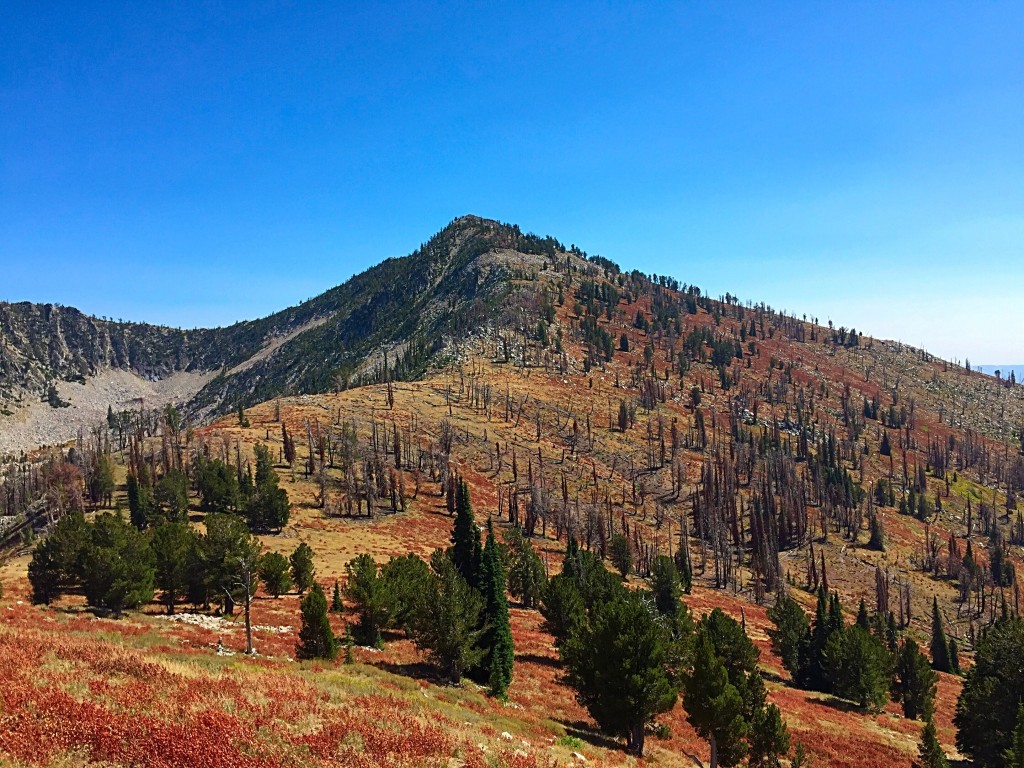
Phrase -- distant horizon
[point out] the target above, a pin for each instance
(198, 166)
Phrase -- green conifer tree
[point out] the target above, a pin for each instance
(1014, 756)
(465, 550)
(930, 752)
(769, 738)
(792, 634)
(498, 634)
(316, 638)
(939, 645)
(302, 567)
(336, 605)
(713, 706)
(915, 682)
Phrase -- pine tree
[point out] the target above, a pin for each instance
(876, 540)
(621, 554)
(857, 667)
(939, 645)
(118, 565)
(498, 635)
(336, 605)
(930, 753)
(373, 600)
(465, 550)
(954, 656)
(562, 607)
(316, 638)
(915, 682)
(862, 617)
(302, 567)
(812, 672)
(713, 706)
(619, 665)
(174, 545)
(769, 738)
(448, 620)
(665, 584)
(136, 506)
(1014, 756)
(526, 577)
(792, 634)
(274, 573)
(992, 693)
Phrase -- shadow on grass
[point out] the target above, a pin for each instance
(584, 732)
(418, 670)
(533, 658)
(842, 705)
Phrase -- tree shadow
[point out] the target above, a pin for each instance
(535, 658)
(584, 732)
(417, 670)
(841, 705)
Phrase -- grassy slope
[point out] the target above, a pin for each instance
(112, 674)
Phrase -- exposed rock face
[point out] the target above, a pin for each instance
(398, 313)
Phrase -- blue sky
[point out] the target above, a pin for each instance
(195, 164)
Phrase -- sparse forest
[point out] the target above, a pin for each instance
(682, 527)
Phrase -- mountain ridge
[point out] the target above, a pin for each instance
(404, 307)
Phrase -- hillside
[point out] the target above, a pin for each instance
(575, 400)
(397, 314)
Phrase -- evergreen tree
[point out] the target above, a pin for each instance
(769, 738)
(302, 567)
(372, 599)
(498, 633)
(915, 682)
(266, 507)
(56, 564)
(862, 616)
(682, 561)
(101, 482)
(448, 620)
(876, 540)
(136, 506)
(526, 577)
(174, 545)
(812, 674)
(992, 693)
(940, 645)
(619, 665)
(117, 565)
(930, 752)
(621, 554)
(562, 607)
(713, 706)
(792, 634)
(857, 667)
(665, 584)
(316, 638)
(226, 545)
(954, 656)
(217, 484)
(274, 573)
(465, 550)
(170, 499)
(739, 655)
(336, 605)
(1014, 756)
(406, 579)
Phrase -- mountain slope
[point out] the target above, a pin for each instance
(404, 307)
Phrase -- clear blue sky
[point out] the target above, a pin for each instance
(195, 164)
